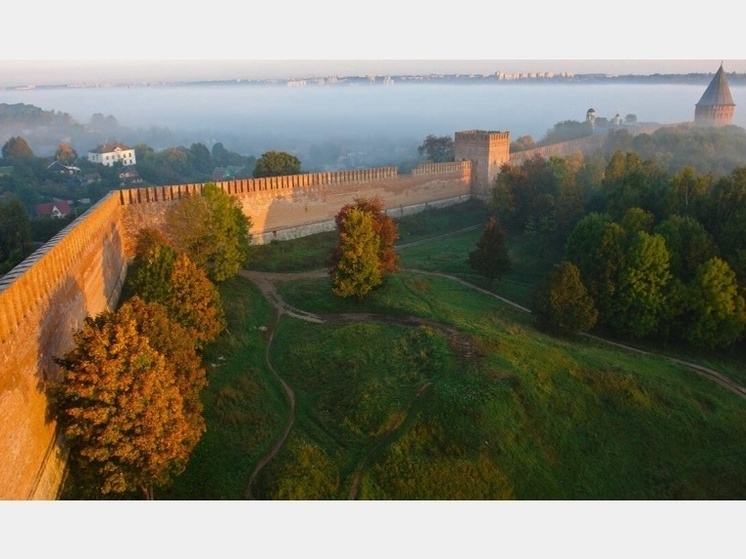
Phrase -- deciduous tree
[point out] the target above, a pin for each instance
(490, 258)
(166, 275)
(717, 315)
(437, 149)
(384, 226)
(639, 304)
(213, 231)
(17, 148)
(562, 302)
(357, 269)
(276, 163)
(120, 408)
(65, 154)
(15, 233)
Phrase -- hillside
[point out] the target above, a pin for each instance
(453, 395)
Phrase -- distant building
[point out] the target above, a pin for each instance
(59, 208)
(590, 117)
(129, 175)
(108, 154)
(716, 107)
(57, 167)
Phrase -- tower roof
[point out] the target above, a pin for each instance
(718, 92)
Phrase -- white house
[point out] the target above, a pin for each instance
(108, 154)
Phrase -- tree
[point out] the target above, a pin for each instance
(17, 148)
(119, 407)
(490, 258)
(688, 244)
(717, 315)
(562, 302)
(212, 230)
(639, 304)
(687, 192)
(199, 158)
(357, 269)
(275, 164)
(15, 233)
(383, 225)
(65, 154)
(165, 275)
(437, 148)
(596, 246)
(178, 347)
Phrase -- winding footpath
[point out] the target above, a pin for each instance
(267, 284)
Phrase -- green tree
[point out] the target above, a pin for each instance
(275, 164)
(717, 312)
(384, 227)
(166, 275)
(632, 181)
(639, 305)
(562, 302)
(119, 407)
(490, 258)
(17, 148)
(596, 246)
(357, 270)
(213, 231)
(200, 159)
(65, 154)
(437, 149)
(15, 233)
(687, 191)
(688, 244)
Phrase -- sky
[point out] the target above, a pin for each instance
(144, 41)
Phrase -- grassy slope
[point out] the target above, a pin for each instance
(534, 417)
(523, 416)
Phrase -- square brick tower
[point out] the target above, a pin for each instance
(487, 151)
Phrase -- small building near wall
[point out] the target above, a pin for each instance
(108, 154)
(58, 208)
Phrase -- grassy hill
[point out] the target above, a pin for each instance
(445, 392)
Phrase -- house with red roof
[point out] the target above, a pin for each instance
(58, 208)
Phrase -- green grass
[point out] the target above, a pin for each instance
(245, 408)
(525, 416)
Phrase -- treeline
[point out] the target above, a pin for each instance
(26, 181)
(715, 150)
(661, 255)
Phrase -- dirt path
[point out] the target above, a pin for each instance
(267, 281)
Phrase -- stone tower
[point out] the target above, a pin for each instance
(716, 106)
(487, 151)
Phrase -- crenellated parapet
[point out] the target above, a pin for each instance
(45, 299)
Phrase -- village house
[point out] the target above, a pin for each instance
(108, 154)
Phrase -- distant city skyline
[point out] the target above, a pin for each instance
(55, 72)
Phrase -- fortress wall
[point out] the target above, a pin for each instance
(585, 145)
(80, 273)
(42, 301)
(287, 207)
(562, 149)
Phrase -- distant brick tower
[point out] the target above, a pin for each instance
(487, 151)
(716, 107)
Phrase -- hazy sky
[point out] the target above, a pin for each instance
(228, 40)
(46, 72)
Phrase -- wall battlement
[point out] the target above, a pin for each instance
(42, 302)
